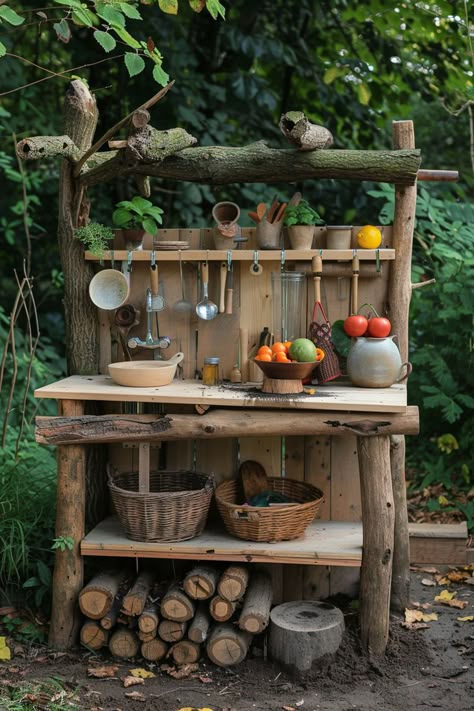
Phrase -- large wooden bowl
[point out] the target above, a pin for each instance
(286, 371)
(145, 373)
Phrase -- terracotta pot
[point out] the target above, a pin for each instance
(133, 239)
(226, 215)
(269, 234)
(338, 237)
(301, 236)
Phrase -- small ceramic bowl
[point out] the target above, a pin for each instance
(145, 373)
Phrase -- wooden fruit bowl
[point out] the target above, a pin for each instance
(286, 371)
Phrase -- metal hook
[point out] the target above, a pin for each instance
(255, 269)
(129, 260)
(207, 257)
(112, 258)
(283, 257)
(229, 259)
(153, 258)
(255, 258)
(354, 252)
(377, 260)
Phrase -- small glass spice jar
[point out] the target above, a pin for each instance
(210, 371)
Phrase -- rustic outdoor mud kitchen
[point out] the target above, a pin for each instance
(330, 434)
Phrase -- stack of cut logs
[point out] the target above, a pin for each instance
(219, 610)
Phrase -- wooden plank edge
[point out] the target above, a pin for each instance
(244, 255)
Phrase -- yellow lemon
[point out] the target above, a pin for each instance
(369, 237)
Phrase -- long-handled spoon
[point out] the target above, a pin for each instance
(206, 309)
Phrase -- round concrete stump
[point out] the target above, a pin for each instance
(304, 631)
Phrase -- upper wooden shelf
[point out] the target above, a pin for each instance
(341, 397)
(244, 255)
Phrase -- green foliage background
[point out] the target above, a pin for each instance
(352, 67)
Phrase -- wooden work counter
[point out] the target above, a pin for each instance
(373, 415)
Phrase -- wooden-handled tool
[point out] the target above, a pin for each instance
(280, 212)
(229, 290)
(223, 273)
(317, 266)
(354, 285)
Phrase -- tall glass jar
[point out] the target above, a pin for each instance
(289, 305)
(210, 371)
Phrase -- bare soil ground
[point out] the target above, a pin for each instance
(424, 668)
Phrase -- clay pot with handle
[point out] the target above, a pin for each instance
(376, 363)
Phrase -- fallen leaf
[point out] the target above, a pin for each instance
(300, 703)
(135, 695)
(414, 625)
(456, 577)
(131, 681)
(141, 673)
(288, 708)
(413, 615)
(182, 672)
(205, 679)
(469, 618)
(442, 580)
(469, 581)
(428, 570)
(445, 595)
(102, 672)
(460, 604)
(428, 581)
(431, 617)
(5, 654)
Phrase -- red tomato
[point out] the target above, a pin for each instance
(378, 327)
(355, 325)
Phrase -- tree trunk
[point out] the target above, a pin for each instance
(255, 613)
(199, 627)
(124, 643)
(227, 645)
(233, 583)
(154, 650)
(377, 546)
(93, 636)
(80, 315)
(175, 605)
(200, 583)
(98, 596)
(171, 630)
(135, 600)
(185, 652)
(220, 609)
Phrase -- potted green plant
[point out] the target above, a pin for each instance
(300, 220)
(135, 217)
(95, 237)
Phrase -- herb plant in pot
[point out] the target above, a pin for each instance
(300, 220)
(95, 237)
(135, 217)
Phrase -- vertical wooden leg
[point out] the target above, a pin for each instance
(378, 518)
(401, 550)
(70, 523)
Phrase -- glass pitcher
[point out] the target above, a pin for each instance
(288, 305)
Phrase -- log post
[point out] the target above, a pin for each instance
(176, 605)
(399, 296)
(68, 576)
(97, 597)
(154, 650)
(124, 643)
(401, 548)
(199, 627)
(185, 652)
(378, 537)
(135, 600)
(233, 583)
(93, 636)
(220, 609)
(255, 613)
(200, 583)
(227, 645)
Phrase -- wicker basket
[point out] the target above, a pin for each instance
(175, 509)
(270, 524)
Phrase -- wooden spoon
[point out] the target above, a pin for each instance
(261, 210)
(254, 479)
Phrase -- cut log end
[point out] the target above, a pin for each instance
(227, 646)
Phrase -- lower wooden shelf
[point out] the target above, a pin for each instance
(324, 543)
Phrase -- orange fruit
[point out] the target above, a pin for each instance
(281, 357)
(287, 345)
(264, 350)
(319, 354)
(369, 237)
(278, 347)
(264, 356)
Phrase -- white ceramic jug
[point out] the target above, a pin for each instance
(376, 363)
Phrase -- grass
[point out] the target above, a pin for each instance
(46, 695)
